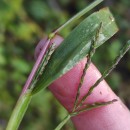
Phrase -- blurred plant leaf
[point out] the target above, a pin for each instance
(76, 46)
(20, 65)
(114, 49)
(39, 10)
(23, 30)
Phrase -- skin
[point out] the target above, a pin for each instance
(115, 116)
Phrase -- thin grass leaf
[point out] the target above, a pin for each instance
(76, 46)
(63, 122)
(78, 15)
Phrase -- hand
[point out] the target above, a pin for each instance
(111, 117)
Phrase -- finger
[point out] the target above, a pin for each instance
(111, 117)
(39, 47)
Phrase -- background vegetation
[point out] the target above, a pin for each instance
(22, 24)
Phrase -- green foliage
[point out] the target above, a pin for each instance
(22, 26)
(77, 46)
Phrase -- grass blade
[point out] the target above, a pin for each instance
(76, 46)
(63, 122)
(80, 14)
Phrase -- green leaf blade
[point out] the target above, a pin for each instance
(76, 46)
